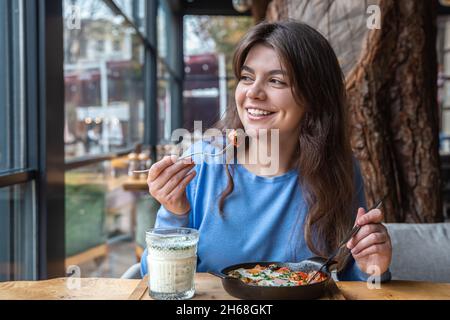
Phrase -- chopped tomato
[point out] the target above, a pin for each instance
(283, 270)
(298, 276)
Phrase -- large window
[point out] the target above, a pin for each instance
(18, 240)
(12, 128)
(113, 81)
(82, 84)
(104, 83)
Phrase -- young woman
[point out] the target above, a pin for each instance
(288, 79)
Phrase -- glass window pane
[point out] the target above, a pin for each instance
(12, 121)
(98, 212)
(164, 110)
(18, 234)
(209, 82)
(103, 72)
(164, 104)
(443, 55)
(85, 194)
(134, 10)
(162, 30)
(214, 35)
(126, 6)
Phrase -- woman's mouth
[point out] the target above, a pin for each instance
(258, 114)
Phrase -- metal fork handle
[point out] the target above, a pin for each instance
(350, 235)
(190, 155)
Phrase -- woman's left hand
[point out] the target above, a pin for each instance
(371, 246)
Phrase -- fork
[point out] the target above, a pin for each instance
(193, 154)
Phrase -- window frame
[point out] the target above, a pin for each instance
(29, 171)
(45, 163)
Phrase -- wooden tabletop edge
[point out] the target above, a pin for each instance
(140, 290)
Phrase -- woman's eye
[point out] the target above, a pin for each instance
(245, 78)
(277, 81)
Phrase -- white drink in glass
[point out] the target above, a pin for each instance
(172, 261)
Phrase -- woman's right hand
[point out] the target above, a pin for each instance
(167, 181)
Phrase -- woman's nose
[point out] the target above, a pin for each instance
(256, 92)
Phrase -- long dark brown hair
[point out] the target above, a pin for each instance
(324, 160)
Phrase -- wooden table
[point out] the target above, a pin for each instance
(209, 287)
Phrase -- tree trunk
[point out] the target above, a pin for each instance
(393, 107)
(391, 80)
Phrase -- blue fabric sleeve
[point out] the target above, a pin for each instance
(353, 273)
(144, 263)
(167, 219)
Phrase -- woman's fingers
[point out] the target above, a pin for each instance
(175, 180)
(360, 213)
(373, 216)
(364, 232)
(370, 222)
(179, 190)
(373, 249)
(370, 240)
(159, 167)
(168, 173)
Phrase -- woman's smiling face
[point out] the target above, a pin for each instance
(264, 97)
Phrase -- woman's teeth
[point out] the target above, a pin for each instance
(258, 112)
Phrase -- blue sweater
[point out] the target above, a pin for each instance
(263, 219)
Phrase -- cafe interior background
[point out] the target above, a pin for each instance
(91, 89)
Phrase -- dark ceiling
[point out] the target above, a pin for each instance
(210, 7)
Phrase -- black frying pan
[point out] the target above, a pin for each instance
(241, 290)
